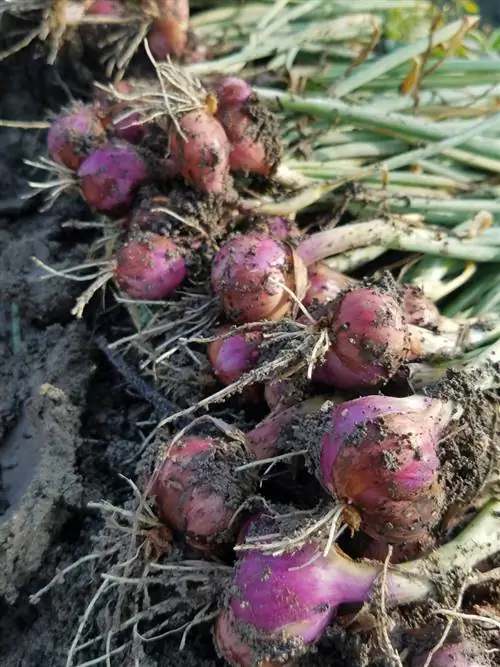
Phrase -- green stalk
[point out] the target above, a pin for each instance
(411, 129)
(478, 541)
(389, 62)
(393, 235)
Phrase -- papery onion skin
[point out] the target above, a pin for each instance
(130, 128)
(73, 136)
(419, 309)
(111, 175)
(283, 393)
(369, 339)
(202, 156)
(235, 355)
(251, 128)
(380, 457)
(459, 654)
(166, 38)
(280, 228)
(401, 553)
(195, 491)
(150, 267)
(324, 284)
(248, 274)
(262, 439)
(146, 216)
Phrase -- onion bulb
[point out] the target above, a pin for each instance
(111, 175)
(380, 456)
(253, 276)
(196, 492)
(251, 128)
(150, 267)
(73, 136)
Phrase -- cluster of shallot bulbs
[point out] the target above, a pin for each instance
(165, 23)
(374, 452)
(112, 156)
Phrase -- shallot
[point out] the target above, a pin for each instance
(110, 176)
(252, 129)
(279, 604)
(196, 491)
(74, 135)
(380, 456)
(256, 276)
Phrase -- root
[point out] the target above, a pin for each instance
(475, 618)
(289, 345)
(60, 18)
(64, 180)
(382, 617)
(176, 93)
(269, 543)
(448, 625)
(136, 590)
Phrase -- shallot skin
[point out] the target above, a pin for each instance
(380, 456)
(280, 604)
(419, 309)
(201, 156)
(104, 8)
(249, 274)
(324, 284)
(168, 35)
(232, 356)
(73, 136)
(110, 176)
(190, 497)
(369, 339)
(150, 268)
(459, 654)
(285, 599)
(252, 130)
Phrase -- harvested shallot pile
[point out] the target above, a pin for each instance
(304, 257)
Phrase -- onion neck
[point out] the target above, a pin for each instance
(415, 580)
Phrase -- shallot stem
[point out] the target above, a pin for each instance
(394, 235)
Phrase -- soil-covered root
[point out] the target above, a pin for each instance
(145, 588)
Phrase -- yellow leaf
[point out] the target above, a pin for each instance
(470, 7)
(412, 78)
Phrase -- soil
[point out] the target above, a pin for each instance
(70, 425)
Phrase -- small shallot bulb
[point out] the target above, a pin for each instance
(253, 276)
(74, 135)
(379, 456)
(263, 439)
(369, 339)
(459, 654)
(196, 491)
(168, 35)
(233, 356)
(150, 267)
(201, 155)
(279, 228)
(111, 175)
(252, 129)
(324, 284)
